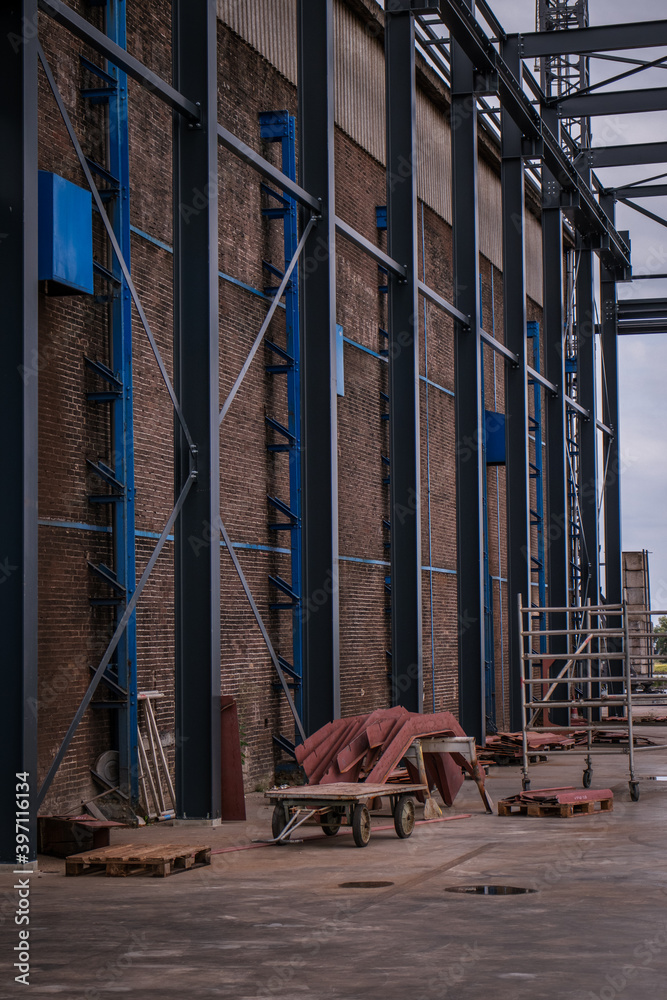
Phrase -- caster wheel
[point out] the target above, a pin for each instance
(634, 791)
(587, 777)
(331, 823)
(404, 816)
(278, 821)
(361, 825)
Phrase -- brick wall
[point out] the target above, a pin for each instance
(72, 635)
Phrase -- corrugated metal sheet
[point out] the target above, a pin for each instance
(434, 158)
(533, 258)
(490, 215)
(360, 90)
(270, 27)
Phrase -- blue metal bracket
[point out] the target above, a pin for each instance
(280, 126)
(117, 374)
(539, 561)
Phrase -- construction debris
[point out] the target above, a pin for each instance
(370, 748)
(507, 748)
(60, 836)
(566, 802)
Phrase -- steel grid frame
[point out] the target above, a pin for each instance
(475, 60)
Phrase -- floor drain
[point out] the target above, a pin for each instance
(489, 890)
(364, 885)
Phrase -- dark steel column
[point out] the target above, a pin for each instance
(196, 375)
(588, 454)
(18, 408)
(319, 432)
(18, 412)
(613, 559)
(613, 549)
(404, 446)
(516, 387)
(556, 412)
(469, 407)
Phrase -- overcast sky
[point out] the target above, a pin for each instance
(643, 360)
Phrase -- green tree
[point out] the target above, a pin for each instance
(660, 636)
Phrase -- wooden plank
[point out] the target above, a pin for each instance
(342, 790)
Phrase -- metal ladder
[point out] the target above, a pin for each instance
(107, 86)
(280, 126)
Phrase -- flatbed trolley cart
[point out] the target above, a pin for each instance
(336, 801)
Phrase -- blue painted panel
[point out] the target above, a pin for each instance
(494, 432)
(65, 234)
(340, 361)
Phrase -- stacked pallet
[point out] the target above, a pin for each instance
(565, 802)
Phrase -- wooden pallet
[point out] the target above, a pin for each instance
(130, 859)
(510, 807)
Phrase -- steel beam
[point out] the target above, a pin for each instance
(466, 30)
(611, 464)
(618, 102)
(321, 683)
(18, 408)
(404, 439)
(588, 434)
(97, 40)
(516, 386)
(438, 300)
(638, 309)
(642, 191)
(553, 319)
(623, 156)
(266, 169)
(601, 38)
(196, 376)
(468, 396)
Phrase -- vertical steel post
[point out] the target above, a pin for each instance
(122, 410)
(18, 411)
(468, 388)
(404, 442)
(553, 318)
(611, 463)
(319, 425)
(611, 489)
(516, 383)
(588, 450)
(196, 377)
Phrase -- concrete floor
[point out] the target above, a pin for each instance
(274, 923)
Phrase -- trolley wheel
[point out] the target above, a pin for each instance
(361, 825)
(331, 822)
(634, 791)
(587, 777)
(278, 820)
(525, 784)
(404, 816)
